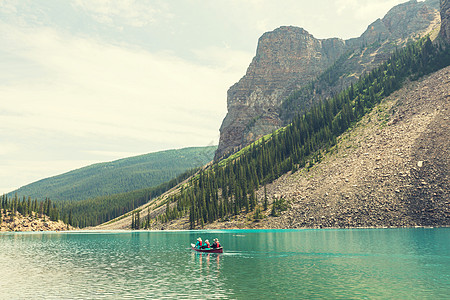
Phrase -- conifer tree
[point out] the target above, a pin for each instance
(148, 218)
(266, 204)
(137, 223)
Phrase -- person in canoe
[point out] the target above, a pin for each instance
(216, 243)
(199, 243)
(205, 245)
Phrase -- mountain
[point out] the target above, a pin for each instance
(283, 77)
(120, 176)
(286, 59)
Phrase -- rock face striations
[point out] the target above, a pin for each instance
(289, 58)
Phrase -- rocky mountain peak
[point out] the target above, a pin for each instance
(409, 19)
(288, 55)
(286, 59)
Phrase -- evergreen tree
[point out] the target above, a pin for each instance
(266, 204)
(137, 223)
(147, 226)
(258, 215)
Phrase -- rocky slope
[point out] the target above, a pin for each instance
(289, 58)
(393, 169)
(30, 223)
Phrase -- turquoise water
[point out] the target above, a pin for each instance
(272, 264)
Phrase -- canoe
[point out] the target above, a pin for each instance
(209, 250)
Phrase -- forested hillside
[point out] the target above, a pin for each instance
(120, 176)
(228, 188)
(92, 212)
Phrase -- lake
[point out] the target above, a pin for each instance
(405, 263)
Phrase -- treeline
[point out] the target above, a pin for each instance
(28, 207)
(92, 212)
(228, 188)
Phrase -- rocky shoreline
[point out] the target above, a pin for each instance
(30, 223)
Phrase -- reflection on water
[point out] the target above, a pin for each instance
(267, 264)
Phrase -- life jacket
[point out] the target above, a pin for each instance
(217, 245)
(207, 244)
(200, 243)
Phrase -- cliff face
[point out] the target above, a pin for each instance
(289, 58)
(445, 20)
(286, 59)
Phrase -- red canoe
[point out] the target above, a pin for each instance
(209, 250)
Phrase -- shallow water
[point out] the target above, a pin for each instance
(262, 264)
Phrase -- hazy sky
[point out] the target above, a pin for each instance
(88, 81)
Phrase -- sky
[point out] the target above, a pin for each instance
(88, 81)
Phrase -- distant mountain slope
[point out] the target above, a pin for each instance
(119, 176)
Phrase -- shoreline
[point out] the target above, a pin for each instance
(221, 229)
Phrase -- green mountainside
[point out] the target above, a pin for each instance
(120, 176)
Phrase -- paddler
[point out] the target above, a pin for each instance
(216, 243)
(199, 243)
(206, 245)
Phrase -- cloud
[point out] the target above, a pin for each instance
(66, 95)
(225, 59)
(86, 86)
(8, 148)
(125, 12)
